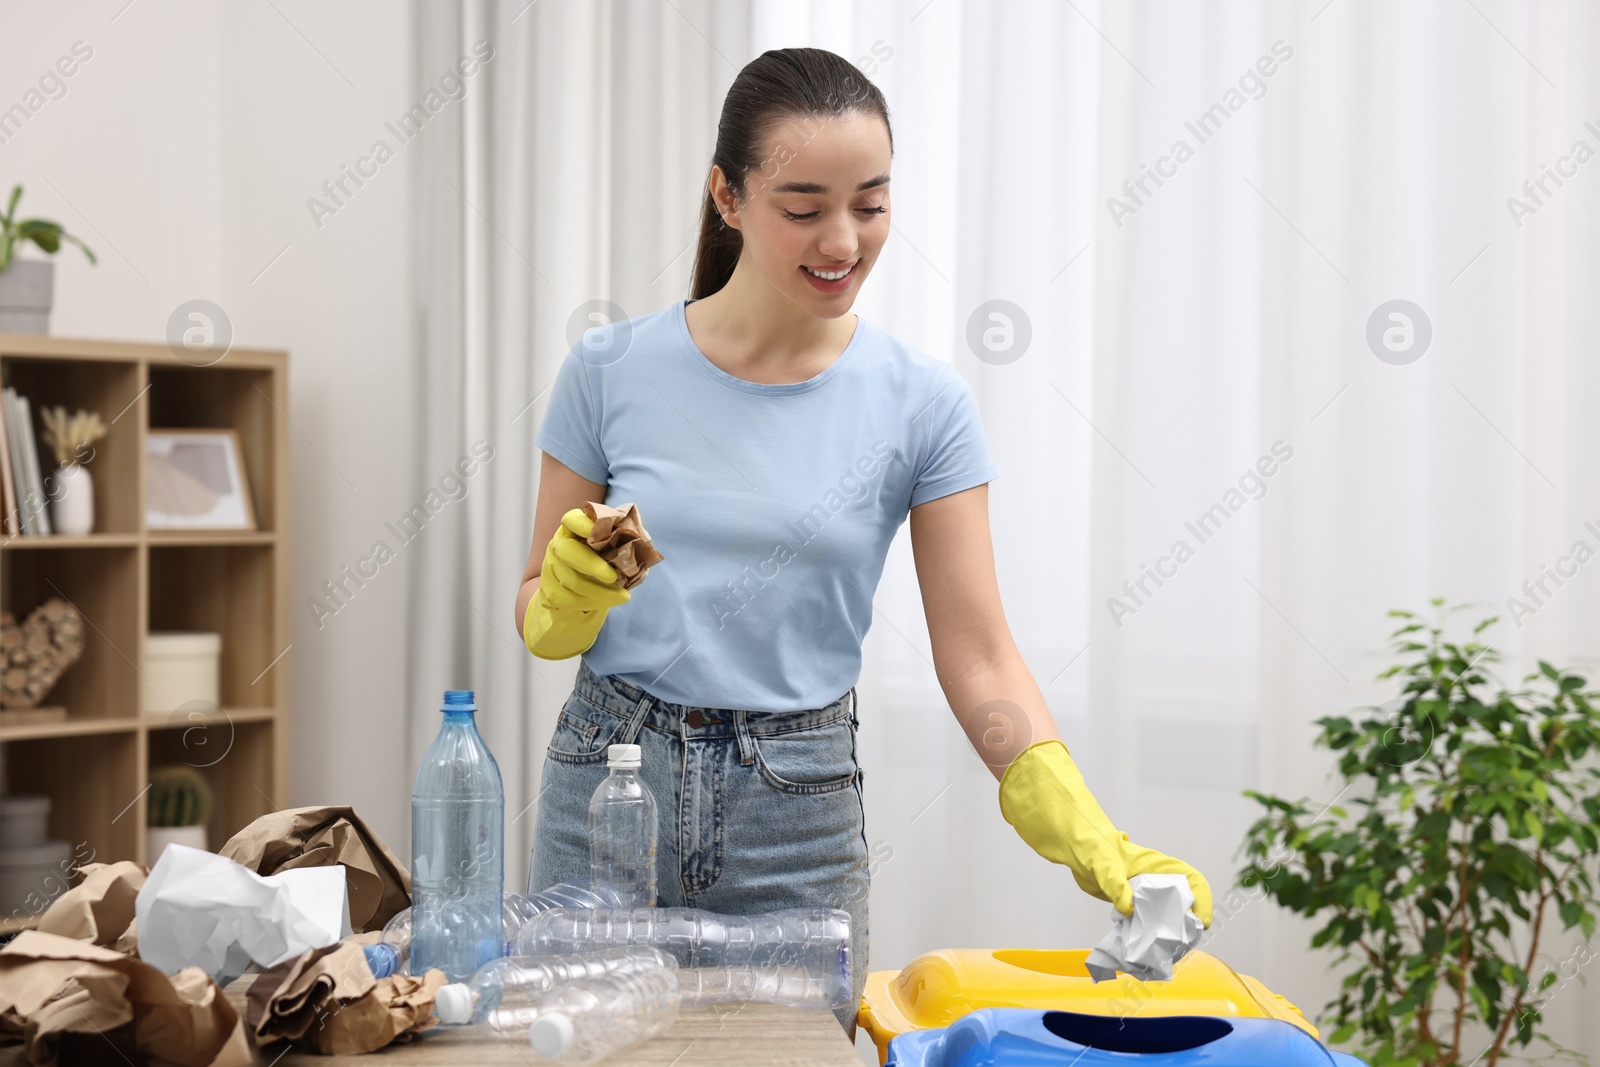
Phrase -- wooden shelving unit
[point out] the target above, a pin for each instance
(127, 581)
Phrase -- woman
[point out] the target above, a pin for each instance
(774, 442)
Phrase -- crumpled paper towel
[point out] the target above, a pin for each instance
(1147, 943)
(321, 837)
(198, 909)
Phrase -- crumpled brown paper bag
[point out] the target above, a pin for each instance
(98, 909)
(78, 1003)
(620, 539)
(380, 885)
(326, 1000)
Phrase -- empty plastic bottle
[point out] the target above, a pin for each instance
(622, 830)
(588, 1019)
(798, 957)
(579, 894)
(506, 993)
(392, 953)
(457, 848)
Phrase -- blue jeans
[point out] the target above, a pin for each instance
(759, 810)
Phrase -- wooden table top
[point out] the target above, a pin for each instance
(713, 1035)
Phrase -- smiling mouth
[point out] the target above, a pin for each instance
(833, 275)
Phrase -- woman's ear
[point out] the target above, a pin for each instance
(722, 194)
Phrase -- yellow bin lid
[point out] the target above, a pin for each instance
(937, 988)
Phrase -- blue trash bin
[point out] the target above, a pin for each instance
(1023, 1037)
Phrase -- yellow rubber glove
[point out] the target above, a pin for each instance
(1044, 798)
(576, 590)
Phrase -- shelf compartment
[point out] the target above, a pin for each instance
(103, 583)
(225, 589)
(110, 389)
(236, 758)
(218, 398)
(100, 813)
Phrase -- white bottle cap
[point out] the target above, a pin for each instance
(551, 1035)
(623, 756)
(453, 1004)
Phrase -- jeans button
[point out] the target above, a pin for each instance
(694, 718)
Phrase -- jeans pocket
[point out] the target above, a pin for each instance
(819, 759)
(583, 732)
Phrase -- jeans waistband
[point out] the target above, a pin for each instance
(639, 707)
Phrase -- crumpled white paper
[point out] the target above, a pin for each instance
(1147, 943)
(198, 909)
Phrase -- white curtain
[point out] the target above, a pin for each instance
(1341, 156)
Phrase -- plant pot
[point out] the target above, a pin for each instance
(26, 289)
(159, 837)
(72, 509)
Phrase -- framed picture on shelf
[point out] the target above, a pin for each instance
(195, 480)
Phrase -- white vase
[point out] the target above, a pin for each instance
(72, 503)
(158, 838)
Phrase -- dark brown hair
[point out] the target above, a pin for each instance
(800, 85)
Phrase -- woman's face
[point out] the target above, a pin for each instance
(818, 202)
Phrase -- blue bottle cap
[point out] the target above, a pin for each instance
(381, 958)
(459, 700)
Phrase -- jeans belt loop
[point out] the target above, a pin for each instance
(741, 729)
(630, 732)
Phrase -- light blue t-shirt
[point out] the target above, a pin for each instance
(773, 505)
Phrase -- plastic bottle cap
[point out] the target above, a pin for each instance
(623, 756)
(382, 959)
(453, 1003)
(459, 700)
(550, 1035)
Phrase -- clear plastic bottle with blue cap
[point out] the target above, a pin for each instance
(457, 848)
(392, 953)
(623, 829)
(799, 957)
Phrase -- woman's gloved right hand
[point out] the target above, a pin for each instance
(576, 590)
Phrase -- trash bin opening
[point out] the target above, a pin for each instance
(1172, 1033)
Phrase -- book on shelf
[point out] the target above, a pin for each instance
(31, 513)
(8, 493)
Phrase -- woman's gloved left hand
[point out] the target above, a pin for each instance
(1044, 798)
(576, 590)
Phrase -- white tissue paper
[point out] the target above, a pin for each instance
(198, 909)
(1147, 943)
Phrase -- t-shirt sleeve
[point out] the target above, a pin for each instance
(956, 455)
(571, 428)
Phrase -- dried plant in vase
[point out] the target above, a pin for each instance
(72, 438)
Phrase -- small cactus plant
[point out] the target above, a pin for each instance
(179, 796)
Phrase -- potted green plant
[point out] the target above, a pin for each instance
(179, 808)
(1470, 812)
(28, 285)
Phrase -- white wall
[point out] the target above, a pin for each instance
(183, 152)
